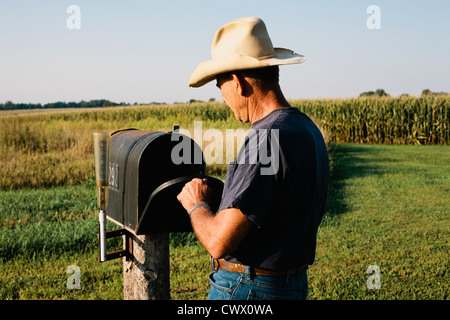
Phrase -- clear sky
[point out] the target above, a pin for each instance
(144, 51)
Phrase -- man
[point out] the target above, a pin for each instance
(264, 234)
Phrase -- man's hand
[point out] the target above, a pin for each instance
(194, 192)
(219, 233)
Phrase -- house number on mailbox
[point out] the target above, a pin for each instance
(114, 176)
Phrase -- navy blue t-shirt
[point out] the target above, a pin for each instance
(279, 181)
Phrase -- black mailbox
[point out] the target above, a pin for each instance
(147, 172)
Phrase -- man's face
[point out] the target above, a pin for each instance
(221, 81)
(231, 98)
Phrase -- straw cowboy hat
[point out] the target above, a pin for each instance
(241, 44)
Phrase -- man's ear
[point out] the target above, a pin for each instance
(238, 84)
(242, 86)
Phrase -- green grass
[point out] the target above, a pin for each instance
(55, 220)
(44, 277)
(388, 205)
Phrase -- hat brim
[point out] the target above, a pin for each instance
(208, 70)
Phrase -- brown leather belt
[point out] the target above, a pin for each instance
(222, 264)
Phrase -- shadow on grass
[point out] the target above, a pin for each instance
(346, 162)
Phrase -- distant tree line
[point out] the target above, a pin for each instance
(56, 105)
(428, 92)
(377, 93)
(382, 93)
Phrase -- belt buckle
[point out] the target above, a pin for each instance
(212, 264)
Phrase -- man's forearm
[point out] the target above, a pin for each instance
(220, 234)
(207, 232)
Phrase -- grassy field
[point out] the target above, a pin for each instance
(388, 206)
(50, 149)
(41, 149)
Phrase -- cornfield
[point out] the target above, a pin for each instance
(404, 120)
(50, 149)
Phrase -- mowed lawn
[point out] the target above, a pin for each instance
(388, 206)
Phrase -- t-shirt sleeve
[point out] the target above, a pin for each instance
(248, 190)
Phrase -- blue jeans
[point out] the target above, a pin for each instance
(227, 285)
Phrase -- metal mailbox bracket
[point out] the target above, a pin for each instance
(127, 252)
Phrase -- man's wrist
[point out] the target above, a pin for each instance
(197, 206)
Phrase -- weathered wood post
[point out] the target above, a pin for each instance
(146, 275)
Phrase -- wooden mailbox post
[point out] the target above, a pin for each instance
(146, 276)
